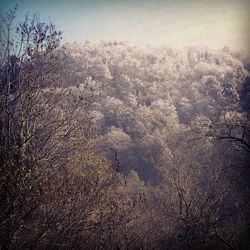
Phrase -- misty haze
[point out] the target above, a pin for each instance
(125, 125)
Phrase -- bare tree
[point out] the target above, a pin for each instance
(42, 122)
(198, 195)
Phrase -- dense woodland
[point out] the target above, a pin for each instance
(114, 146)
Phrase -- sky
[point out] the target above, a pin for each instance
(176, 23)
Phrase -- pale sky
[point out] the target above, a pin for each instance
(210, 23)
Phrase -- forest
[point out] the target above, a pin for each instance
(110, 145)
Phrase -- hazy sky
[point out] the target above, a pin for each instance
(212, 23)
